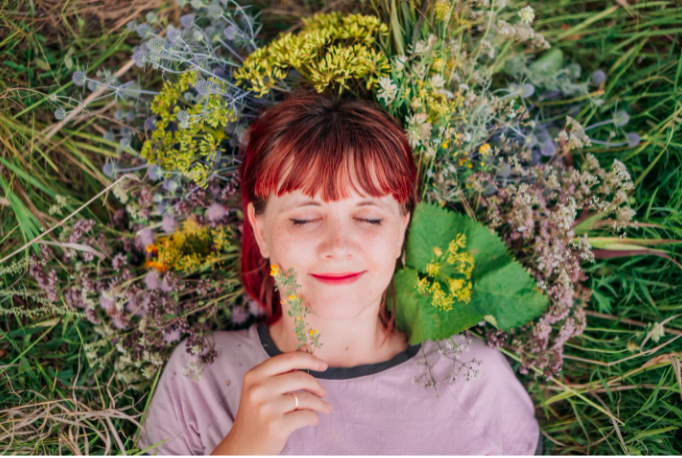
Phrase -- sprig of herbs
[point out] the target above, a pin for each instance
(286, 284)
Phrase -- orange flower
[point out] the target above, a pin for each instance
(161, 267)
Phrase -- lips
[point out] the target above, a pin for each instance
(337, 275)
(341, 278)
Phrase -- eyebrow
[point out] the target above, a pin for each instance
(314, 203)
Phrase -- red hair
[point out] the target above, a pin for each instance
(314, 141)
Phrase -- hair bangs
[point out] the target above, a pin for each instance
(333, 163)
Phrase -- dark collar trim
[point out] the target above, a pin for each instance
(340, 373)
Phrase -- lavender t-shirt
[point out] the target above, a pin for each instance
(377, 409)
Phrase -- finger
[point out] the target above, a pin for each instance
(287, 403)
(292, 381)
(288, 361)
(299, 419)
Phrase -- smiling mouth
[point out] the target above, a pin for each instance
(343, 278)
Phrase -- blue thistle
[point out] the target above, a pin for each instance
(187, 21)
(78, 78)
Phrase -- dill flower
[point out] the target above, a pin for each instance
(442, 9)
(432, 269)
(330, 50)
(191, 149)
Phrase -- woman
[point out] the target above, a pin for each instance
(328, 187)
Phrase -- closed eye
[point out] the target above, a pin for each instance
(301, 222)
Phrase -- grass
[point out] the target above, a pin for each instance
(616, 364)
(621, 388)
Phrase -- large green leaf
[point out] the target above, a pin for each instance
(415, 313)
(503, 292)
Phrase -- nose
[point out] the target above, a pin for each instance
(338, 242)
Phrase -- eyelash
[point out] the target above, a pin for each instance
(301, 222)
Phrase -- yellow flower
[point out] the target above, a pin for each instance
(438, 251)
(292, 297)
(312, 332)
(456, 243)
(274, 270)
(432, 269)
(446, 143)
(299, 318)
(484, 149)
(422, 285)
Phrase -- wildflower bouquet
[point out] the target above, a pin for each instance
(493, 125)
(161, 264)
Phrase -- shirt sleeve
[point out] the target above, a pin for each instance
(171, 421)
(518, 429)
(498, 404)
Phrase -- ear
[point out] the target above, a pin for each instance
(405, 222)
(258, 226)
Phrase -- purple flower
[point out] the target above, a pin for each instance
(172, 335)
(254, 308)
(118, 261)
(598, 77)
(187, 21)
(171, 282)
(146, 237)
(107, 301)
(168, 224)
(153, 279)
(120, 321)
(78, 78)
(230, 32)
(633, 139)
(216, 212)
(239, 315)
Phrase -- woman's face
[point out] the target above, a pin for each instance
(358, 234)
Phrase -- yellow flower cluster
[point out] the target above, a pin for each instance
(190, 248)
(192, 147)
(484, 149)
(459, 289)
(331, 49)
(442, 9)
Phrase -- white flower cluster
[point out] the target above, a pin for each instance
(418, 129)
(388, 90)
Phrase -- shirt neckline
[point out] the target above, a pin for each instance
(340, 373)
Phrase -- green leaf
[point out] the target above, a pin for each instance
(510, 295)
(550, 62)
(503, 292)
(422, 321)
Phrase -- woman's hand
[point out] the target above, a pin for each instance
(266, 415)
